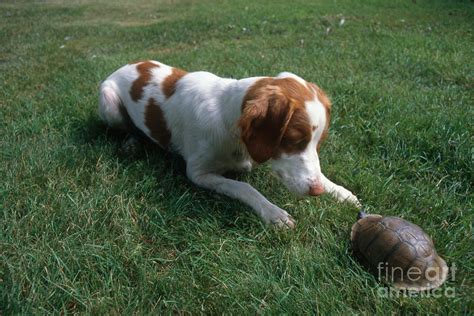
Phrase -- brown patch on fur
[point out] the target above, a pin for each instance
(144, 77)
(298, 134)
(323, 98)
(274, 118)
(156, 123)
(169, 84)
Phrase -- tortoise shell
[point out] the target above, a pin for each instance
(398, 251)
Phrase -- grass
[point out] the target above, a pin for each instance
(86, 229)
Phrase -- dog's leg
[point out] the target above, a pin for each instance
(114, 113)
(339, 192)
(270, 213)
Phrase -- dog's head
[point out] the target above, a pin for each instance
(284, 120)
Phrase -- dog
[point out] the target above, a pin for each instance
(218, 125)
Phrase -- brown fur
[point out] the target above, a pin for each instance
(298, 133)
(144, 71)
(156, 123)
(169, 84)
(274, 118)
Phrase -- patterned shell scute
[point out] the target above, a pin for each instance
(391, 247)
(410, 234)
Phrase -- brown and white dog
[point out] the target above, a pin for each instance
(220, 125)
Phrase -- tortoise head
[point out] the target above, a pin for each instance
(361, 214)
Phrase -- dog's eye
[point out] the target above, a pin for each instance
(295, 140)
(299, 141)
(294, 137)
(302, 143)
(294, 144)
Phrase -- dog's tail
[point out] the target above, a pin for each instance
(110, 104)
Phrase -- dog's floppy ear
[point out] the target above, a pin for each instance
(265, 116)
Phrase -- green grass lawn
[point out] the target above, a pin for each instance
(86, 228)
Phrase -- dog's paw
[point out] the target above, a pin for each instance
(354, 200)
(344, 195)
(244, 166)
(130, 146)
(279, 218)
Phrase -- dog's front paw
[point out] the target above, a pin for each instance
(344, 195)
(354, 200)
(279, 218)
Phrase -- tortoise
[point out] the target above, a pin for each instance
(398, 251)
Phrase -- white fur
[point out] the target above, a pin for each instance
(202, 117)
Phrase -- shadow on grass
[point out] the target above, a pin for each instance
(169, 172)
(96, 133)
